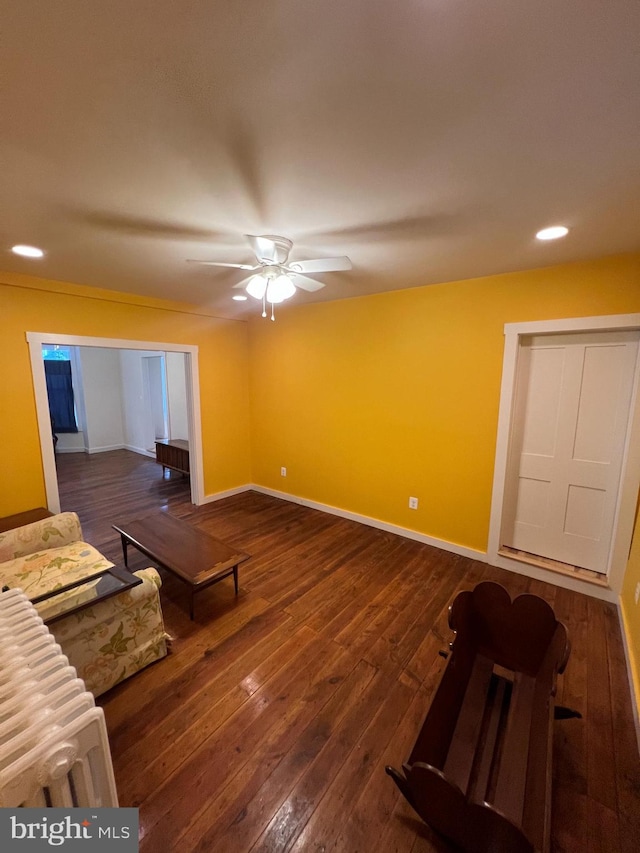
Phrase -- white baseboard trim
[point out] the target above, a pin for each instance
(374, 522)
(105, 448)
(218, 496)
(139, 450)
(632, 685)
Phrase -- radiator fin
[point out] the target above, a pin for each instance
(54, 749)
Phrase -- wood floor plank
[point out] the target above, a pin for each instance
(277, 817)
(175, 803)
(178, 668)
(400, 639)
(363, 828)
(404, 828)
(328, 587)
(601, 773)
(268, 726)
(377, 577)
(244, 809)
(439, 636)
(625, 743)
(430, 843)
(570, 826)
(290, 820)
(337, 804)
(184, 730)
(202, 666)
(570, 736)
(354, 576)
(602, 828)
(389, 605)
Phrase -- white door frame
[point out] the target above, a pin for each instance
(629, 477)
(37, 339)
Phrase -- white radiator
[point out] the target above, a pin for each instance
(54, 749)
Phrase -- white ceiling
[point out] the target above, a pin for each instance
(427, 139)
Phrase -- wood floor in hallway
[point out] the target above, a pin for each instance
(268, 726)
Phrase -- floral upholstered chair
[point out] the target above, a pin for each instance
(108, 642)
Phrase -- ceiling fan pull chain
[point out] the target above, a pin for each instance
(273, 310)
(264, 304)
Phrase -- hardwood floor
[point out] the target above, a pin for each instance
(268, 726)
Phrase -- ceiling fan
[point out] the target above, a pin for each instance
(274, 278)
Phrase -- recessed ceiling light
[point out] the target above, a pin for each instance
(27, 251)
(552, 233)
(239, 298)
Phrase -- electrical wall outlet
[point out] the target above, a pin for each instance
(637, 592)
(283, 471)
(413, 503)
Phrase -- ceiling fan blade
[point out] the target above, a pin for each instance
(218, 264)
(322, 265)
(264, 248)
(304, 283)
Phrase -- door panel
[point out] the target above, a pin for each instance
(600, 398)
(584, 512)
(542, 389)
(570, 422)
(533, 501)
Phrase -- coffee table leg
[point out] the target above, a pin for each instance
(124, 549)
(192, 594)
(235, 578)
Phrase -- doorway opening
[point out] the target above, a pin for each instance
(155, 392)
(187, 411)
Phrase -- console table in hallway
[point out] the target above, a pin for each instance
(173, 453)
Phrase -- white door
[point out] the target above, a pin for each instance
(571, 416)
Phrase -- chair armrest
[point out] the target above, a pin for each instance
(149, 574)
(53, 532)
(142, 596)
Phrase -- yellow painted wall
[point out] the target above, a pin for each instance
(36, 305)
(369, 400)
(631, 610)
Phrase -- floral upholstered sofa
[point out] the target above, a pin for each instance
(107, 642)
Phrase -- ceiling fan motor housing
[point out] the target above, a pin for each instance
(281, 251)
(271, 271)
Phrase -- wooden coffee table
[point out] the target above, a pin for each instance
(191, 555)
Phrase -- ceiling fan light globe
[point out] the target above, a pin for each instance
(257, 286)
(279, 289)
